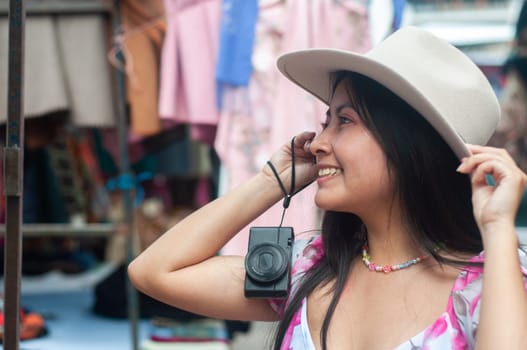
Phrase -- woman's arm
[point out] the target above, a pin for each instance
(181, 267)
(503, 315)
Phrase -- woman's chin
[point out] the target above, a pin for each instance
(323, 202)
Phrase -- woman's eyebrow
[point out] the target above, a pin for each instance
(340, 108)
(344, 106)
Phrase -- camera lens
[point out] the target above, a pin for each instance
(266, 262)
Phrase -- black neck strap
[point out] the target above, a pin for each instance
(287, 196)
(292, 192)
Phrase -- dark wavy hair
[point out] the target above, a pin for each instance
(436, 200)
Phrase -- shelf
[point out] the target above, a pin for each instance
(58, 230)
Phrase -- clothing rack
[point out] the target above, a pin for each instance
(125, 170)
(13, 230)
(13, 159)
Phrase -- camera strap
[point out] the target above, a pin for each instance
(287, 196)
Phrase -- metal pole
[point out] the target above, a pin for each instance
(13, 179)
(125, 173)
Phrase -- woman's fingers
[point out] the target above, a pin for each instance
(491, 161)
(303, 160)
(481, 154)
(302, 142)
(498, 198)
(304, 137)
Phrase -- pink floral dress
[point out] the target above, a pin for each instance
(455, 329)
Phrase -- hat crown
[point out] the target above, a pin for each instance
(442, 73)
(430, 74)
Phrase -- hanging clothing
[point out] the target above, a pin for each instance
(325, 23)
(65, 69)
(144, 29)
(187, 92)
(398, 11)
(61, 154)
(43, 201)
(255, 123)
(238, 22)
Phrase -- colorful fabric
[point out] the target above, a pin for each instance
(236, 41)
(398, 10)
(32, 324)
(156, 345)
(256, 121)
(187, 88)
(455, 328)
(206, 330)
(143, 25)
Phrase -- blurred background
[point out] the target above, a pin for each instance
(138, 112)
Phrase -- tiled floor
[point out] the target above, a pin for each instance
(72, 325)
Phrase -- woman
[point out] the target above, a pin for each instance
(398, 262)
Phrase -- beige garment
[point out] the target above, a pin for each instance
(66, 68)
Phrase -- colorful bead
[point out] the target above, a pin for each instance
(387, 268)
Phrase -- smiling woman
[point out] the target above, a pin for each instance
(401, 171)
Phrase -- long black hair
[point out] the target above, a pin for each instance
(436, 200)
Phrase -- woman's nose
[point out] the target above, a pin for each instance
(320, 144)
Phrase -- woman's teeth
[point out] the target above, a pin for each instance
(328, 172)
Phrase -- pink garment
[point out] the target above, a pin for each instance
(187, 92)
(256, 122)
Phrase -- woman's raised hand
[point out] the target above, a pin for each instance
(305, 168)
(495, 205)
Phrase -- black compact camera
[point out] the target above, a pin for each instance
(268, 262)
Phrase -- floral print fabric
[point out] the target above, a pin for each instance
(455, 329)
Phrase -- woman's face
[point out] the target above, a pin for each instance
(514, 107)
(352, 171)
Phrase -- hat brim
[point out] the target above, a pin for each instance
(311, 69)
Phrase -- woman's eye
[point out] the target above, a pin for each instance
(344, 120)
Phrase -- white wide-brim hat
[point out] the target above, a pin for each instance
(430, 74)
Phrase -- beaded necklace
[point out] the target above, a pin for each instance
(387, 268)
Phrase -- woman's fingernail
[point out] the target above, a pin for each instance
(460, 166)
